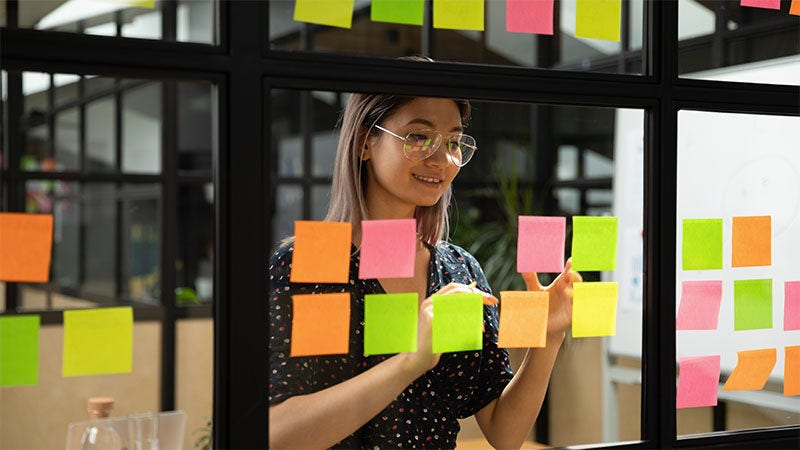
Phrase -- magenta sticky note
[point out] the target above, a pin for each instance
(388, 248)
(698, 381)
(540, 244)
(767, 4)
(791, 305)
(699, 307)
(529, 16)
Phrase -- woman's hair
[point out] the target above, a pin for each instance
(348, 200)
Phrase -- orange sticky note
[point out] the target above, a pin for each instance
(791, 370)
(795, 8)
(752, 370)
(25, 244)
(320, 324)
(752, 241)
(321, 252)
(523, 319)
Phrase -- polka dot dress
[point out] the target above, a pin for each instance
(422, 416)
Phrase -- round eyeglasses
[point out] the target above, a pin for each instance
(421, 144)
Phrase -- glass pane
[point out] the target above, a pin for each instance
(67, 140)
(195, 127)
(320, 196)
(745, 182)
(99, 246)
(141, 243)
(143, 23)
(726, 41)
(101, 135)
(195, 245)
(288, 208)
(66, 88)
(38, 151)
(194, 376)
(141, 129)
(196, 21)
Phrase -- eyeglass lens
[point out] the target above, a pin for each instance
(421, 144)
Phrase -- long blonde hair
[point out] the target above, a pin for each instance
(348, 200)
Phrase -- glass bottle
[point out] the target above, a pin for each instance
(100, 434)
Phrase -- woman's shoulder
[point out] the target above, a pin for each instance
(283, 253)
(447, 250)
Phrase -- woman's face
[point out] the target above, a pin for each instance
(397, 185)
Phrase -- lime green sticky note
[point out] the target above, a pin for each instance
(19, 350)
(458, 14)
(594, 309)
(702, 244)
(457, 322)
(398, 11)
(98, 341)
(598, 19)
(594, 243)
(752, 304)
(336, 13)
(390, 323)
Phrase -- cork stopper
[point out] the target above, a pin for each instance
(100, 407)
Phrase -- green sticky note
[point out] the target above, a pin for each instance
(335, 13)
(457, 322)
(702, 244)
(458, 14)
(398, 11)
(98, 341)
(594, 243)
(598, 19)
(390, 323)
(594, 309)
(19, 350)
(752, 304)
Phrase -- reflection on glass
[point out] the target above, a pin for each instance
(195, 246)
(66, 142)
(196, 19)
(194, 128)
(141, 129)
(143, 23)
(66, 88)
(99, 245)
(101, 136)
(288, 208)
(141, 228)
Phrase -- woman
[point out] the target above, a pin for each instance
(396, 159)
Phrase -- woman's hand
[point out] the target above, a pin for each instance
(560, 290)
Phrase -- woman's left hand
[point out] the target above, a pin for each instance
(560, 290)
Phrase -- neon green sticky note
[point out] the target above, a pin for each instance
(398, 11)
(752, 304)
(458, 14)
(336, 13)
(19, 350)
(390, 323)
(702, 244)
(598, 19)
(98, 341)
(594, 309)
(457, 322)
(594, 243)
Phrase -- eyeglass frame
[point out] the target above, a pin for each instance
(437, 146)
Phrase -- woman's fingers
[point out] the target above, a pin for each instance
(458, 288)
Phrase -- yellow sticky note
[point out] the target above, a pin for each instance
(594, 309)
(752, 370)
(98, 341)
(335, 13)
(458, 14)
(598, 19)
(523, 319)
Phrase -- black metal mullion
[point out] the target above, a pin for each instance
(169, 20)
(426, 33)
(307, 131)
(51, 145)
(15, 191)
(82, 169)
(118, 201)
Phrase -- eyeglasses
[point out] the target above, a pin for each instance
(421, 144)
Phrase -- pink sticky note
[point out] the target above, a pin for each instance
(699, 307)
(540, 245)
(767, 4)
(698, 381)
(791, 305)
(529, 16)
(388, 248)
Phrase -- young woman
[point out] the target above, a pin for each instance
(396, 159)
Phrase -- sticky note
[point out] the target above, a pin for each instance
(98, 341)
(752, 241)
(321, 252)
(529, 16)
(598, 19)
(457, 322)
(335, 13)
(388, 248)
(390, 323)
(19, 350)
(791, 370)
(523, 319)
(540, 244)
(702, 244)
(766, 4)
(594, 309)
(698, 380)
(594, 243)
(795, 8)
(320, 324)
(409, 12)
(26, 241)
(458, 14)
(752, 304)
(752, 370)
(791, 305)
(699, 307)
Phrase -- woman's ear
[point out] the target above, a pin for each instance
(365, 148)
